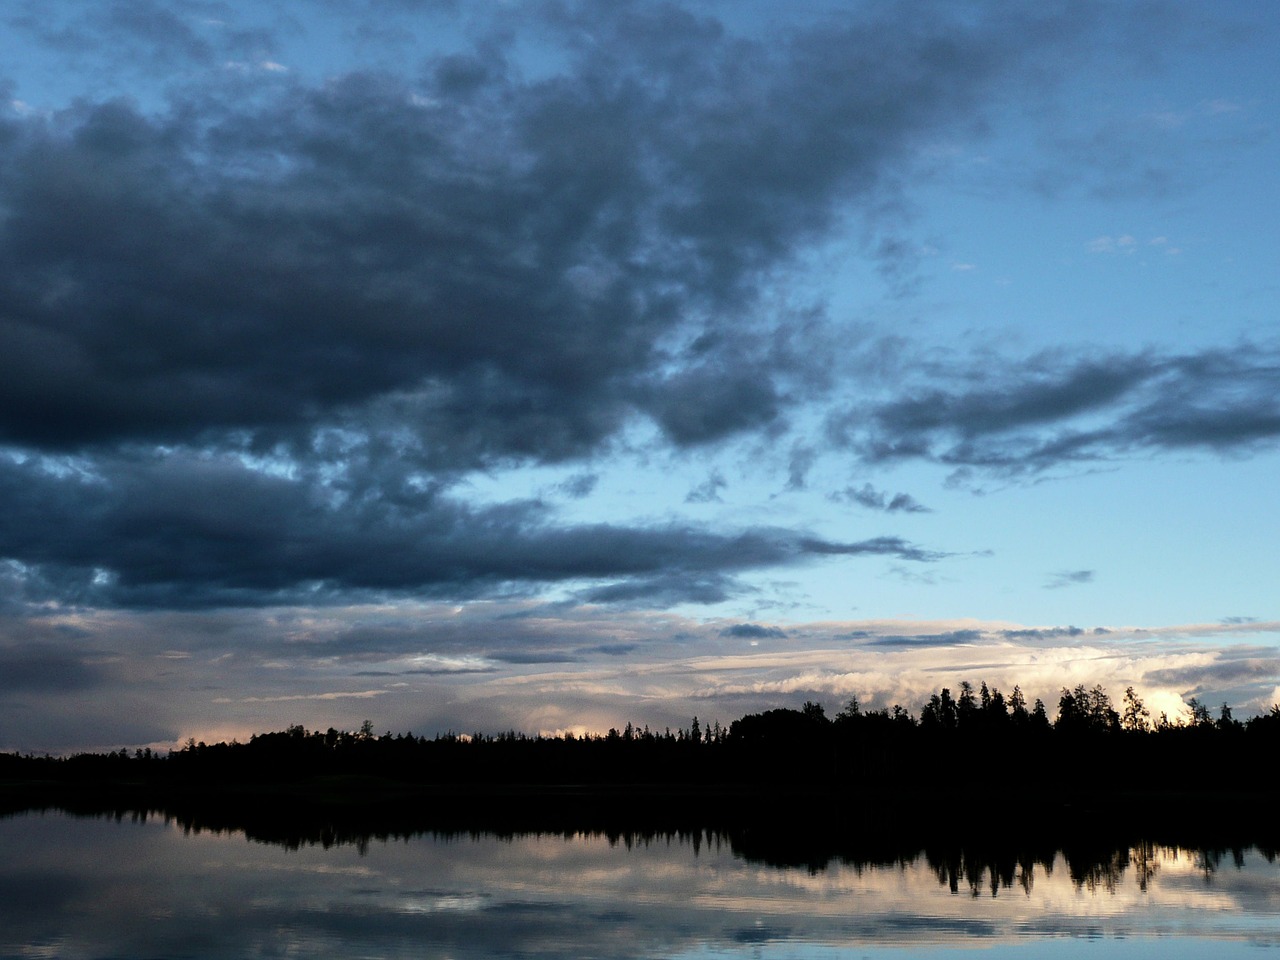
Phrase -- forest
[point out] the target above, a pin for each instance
(974, 743)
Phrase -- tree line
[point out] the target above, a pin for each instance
(974, 742)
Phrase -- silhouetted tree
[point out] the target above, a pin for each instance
(940, 712)
(1073, 711)
(1102, 717)
(1199, 713)
(1018, 708)
(995, 710)
(1136, 716)
(1039, 717)
(966, 706)
(1082, 710)
(801, 746)
(1225, 722)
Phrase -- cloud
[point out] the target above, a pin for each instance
(882, 546)
(456, 262)
(869, 496)
(579, 485)
(46, 670)
(204, 531)
(665, 590)
(609, 649)
(532, 657)
(949, 639)
(1124, 243)
(925, 577)
(278, 347)
(1052, 633)
(709, 490)
(1258, 670)
(753, 631)
(139, 35)
(1055, 409)
(1221, 106)
(1068, 578)
(250, 342)
(802, 461)
(653, 668)
(293, 697)
(249, 345)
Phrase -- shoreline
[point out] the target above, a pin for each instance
(812, 817)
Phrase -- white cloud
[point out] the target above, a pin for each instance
(1124, 243)
(1220, 106)
(242, 66)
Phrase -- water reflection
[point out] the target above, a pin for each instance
(155, 886)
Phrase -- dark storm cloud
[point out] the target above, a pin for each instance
(706, 402)
(1054, 409)
(369, 284)
(509, 256)
(200, 531)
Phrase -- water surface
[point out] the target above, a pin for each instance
(145, 887)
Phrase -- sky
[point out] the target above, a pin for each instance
(551, 365)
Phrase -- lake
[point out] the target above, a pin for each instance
(145, 886)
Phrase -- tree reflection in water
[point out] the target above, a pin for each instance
(327, 883)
